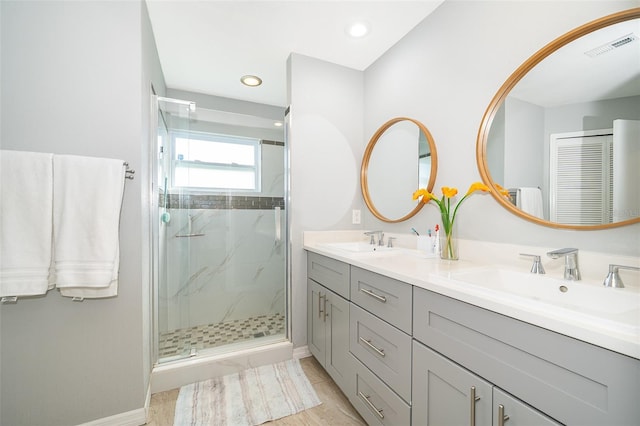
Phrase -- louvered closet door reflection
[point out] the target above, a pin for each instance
(581, 179)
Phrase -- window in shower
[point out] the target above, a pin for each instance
(216, 162)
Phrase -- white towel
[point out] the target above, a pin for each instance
(87, 200)
(26, 180)
(529, 200)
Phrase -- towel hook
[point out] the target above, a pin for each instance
(128, 172)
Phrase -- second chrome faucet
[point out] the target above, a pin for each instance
(571, 270)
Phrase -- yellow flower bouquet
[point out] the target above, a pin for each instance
(448, 250)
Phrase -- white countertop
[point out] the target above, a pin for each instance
(619, 332)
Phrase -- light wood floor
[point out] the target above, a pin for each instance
(334, 410)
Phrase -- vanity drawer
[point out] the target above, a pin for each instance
(385, 297)
(596, 387)
(384, 349)
(331, 273)
(375, 402)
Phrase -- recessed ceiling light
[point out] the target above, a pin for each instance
(358, 29)
(278, 124)
(251, 80)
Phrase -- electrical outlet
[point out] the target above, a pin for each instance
(355, 217)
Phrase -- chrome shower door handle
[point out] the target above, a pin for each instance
(277, 224)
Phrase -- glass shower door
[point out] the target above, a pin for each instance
(221, 251)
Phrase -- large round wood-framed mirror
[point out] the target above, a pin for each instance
(400, 158)
(541, 135)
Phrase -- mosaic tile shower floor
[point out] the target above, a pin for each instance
(177, 342)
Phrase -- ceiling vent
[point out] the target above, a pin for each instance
(608, 47)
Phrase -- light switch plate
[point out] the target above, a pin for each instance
(355, 217)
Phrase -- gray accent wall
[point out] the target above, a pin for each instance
(326, 146)
(76, 80)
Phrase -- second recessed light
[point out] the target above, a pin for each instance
(358, 29)
(251, 80)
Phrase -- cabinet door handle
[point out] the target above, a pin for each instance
(472, 399)
(501, 416)
(375, 296)
(320, 311)
(326, 313)
(368, 343)
(370, 404)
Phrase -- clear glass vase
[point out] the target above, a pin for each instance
(449, 244)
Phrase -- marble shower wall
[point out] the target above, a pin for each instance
(233, 265)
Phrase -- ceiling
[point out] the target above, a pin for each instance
(205, 46)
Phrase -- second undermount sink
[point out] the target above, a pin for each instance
(586, 302)
(579, 296)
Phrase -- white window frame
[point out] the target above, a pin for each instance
(214, 137)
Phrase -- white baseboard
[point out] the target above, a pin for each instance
(301, 352)
(135, 417)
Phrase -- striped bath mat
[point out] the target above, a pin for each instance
(251, 397)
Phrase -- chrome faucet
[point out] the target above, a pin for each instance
(613, 278)
(571, 271)
(380, 235)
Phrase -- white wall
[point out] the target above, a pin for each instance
(445, 73)
(326, 148)
(75, 80)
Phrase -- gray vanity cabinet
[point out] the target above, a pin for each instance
(405, 355)
(328, 320)
(444, 393)
(571, 381)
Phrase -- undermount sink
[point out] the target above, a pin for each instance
(358, 247)
(577, 295)
(587, 303)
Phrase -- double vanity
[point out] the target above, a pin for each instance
(414, 340)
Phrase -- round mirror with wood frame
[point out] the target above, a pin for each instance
(400, 158)
(496, 112)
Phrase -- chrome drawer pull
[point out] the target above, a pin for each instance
(375, 296)
(368, 343)
(366, 399)
(473, 398)
(501, 416)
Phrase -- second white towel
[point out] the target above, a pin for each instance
(530, 201)
(86, 217)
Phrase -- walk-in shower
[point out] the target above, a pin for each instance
(220, 249)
